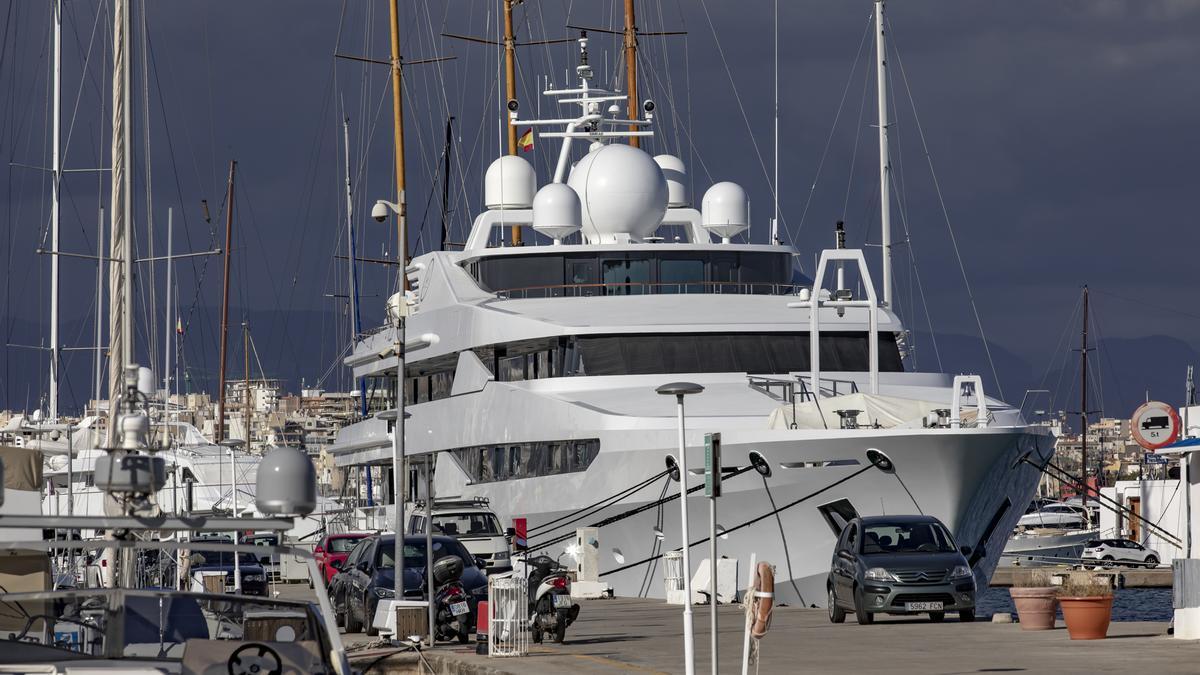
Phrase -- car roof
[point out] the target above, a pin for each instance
(898, 520)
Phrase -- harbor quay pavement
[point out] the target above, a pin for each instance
(644, 636)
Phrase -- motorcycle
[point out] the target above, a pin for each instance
(452, 611)
(551, 607)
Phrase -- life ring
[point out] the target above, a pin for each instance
(764, 599)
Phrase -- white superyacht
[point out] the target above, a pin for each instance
(536, 383)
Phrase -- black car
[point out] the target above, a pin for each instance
(899, 565)
(254, 576)
(368, 576)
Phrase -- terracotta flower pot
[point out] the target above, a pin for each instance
(1087, 617)
(1036, 607)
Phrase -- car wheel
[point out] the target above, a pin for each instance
(966, 615)
(836, 614)
(1107, 562)
(369, 620)
(864, 617)
(937, 617)
(1151, 561)
(353, 625)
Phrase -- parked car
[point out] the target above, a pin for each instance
(367, 576)
(473, 523)
(899, 565)
(334, 548)
(254, 575)
(1120, 551)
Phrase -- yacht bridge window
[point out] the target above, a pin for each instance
(637, 272)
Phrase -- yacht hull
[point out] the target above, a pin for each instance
(972, 479)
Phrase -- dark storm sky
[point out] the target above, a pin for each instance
(1063, 136)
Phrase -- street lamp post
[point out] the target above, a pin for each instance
(679, 390)
(398, 415)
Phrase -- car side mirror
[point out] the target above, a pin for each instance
(845, 553)
(965, 550)
(480, 563)
(336, 564)
(510, 532)
(265, 560)
(364, 566)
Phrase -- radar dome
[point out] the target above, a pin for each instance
(622, 192)
(557, 211)
(678, 195)
(286, 484)
(509, 184)
(725, 210)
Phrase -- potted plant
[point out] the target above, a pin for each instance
(1035, 599)
(1087, 606)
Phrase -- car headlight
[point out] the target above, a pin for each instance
(960, 571)
(381, 592)
(252, 577)
(879, 574)
(502, 555)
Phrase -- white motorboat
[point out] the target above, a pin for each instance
(531, 374)
(1058, 516)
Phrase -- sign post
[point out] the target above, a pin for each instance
(712, 489)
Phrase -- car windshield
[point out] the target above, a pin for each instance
(51, 627)
(467, 524)
(343, 544)
(414, 553)
(906, 538)
(222, 559)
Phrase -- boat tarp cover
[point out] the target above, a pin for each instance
(887, 411)
(22, 468)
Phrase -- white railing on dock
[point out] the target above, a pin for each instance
(508, 616)
(673, 577)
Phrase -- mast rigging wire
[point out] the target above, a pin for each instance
(945, 213)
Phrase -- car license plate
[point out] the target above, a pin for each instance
(459, 608)
(923, 606)
(562, 602)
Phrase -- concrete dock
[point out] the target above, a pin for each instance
(1130, 577)
(644, 636)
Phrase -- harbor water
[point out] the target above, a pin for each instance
(1129, 604)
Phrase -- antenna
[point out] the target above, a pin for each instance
(885, 163)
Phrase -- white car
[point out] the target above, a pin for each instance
(1120, 552)
(472, 523)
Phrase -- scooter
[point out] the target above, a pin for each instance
(452, 611)
(551, 607)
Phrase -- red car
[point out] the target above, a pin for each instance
(335, 547)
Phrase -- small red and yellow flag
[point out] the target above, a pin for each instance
(526, 140)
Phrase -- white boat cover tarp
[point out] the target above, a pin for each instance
(886, 411)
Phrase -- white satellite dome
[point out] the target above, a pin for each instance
(678, 195)
(725, 210)
(622, 191)
(557, 211)
(509, 183)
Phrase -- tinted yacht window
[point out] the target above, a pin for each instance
(753, 353)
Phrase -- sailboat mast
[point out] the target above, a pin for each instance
(446, 179)
(351, 255)
(1083, 405)
(775, 187)
(168, 333)
(120, 327)
(55, 178)
(885, 163)
(631, 68)
(219, 434)
(398, 134)
(249, 410)
(510, 90)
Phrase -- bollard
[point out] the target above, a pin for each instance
(481, 628)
